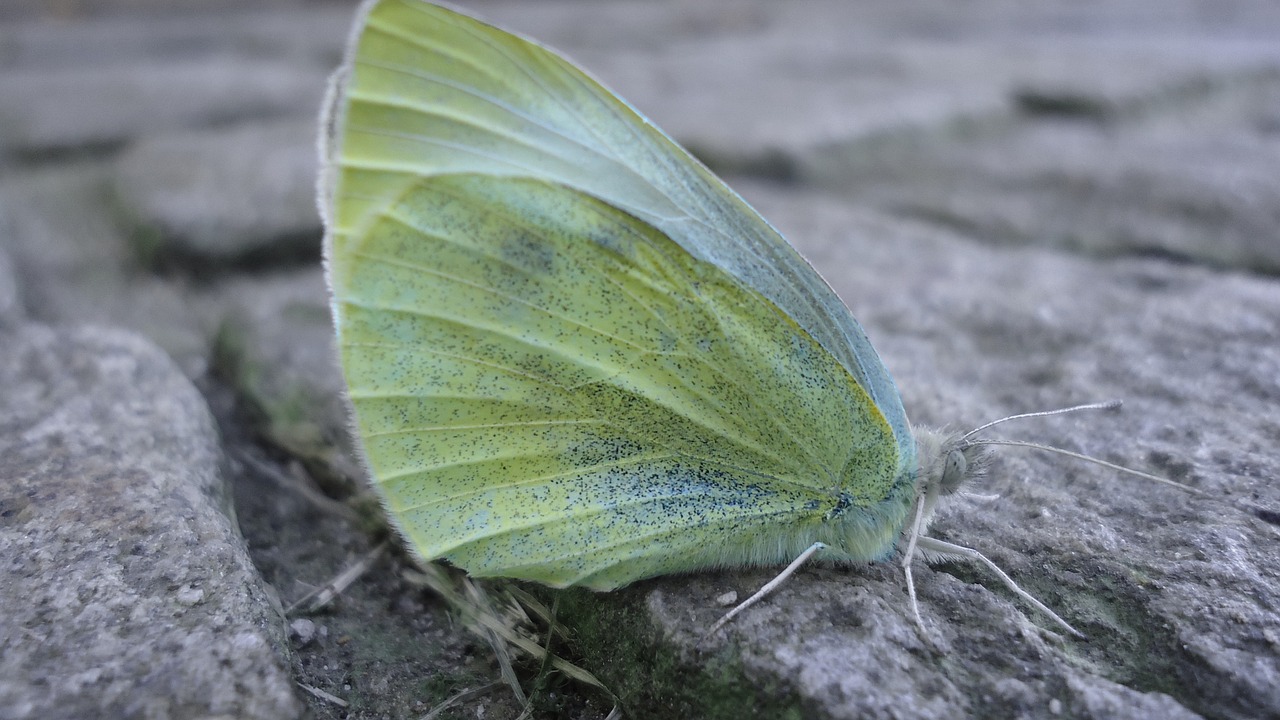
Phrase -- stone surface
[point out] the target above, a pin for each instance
(127, 590)
(1189, 175)
(9, 308)
(78, 9)
(76, 262)
(871, 69)
(1027, 206)
(197, 31)
(102, 106)
(226, 195)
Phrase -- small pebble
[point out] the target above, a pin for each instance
(303, 630)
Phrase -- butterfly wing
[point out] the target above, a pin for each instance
(574, 355)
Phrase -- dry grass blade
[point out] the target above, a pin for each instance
(478, 615)
(461, 697)
(325, 594)
(327, 697)
(488, 630)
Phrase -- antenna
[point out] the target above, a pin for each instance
(965, 442)
(1087, 458)
(1107, 405)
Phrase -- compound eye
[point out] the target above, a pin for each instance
(954, 472)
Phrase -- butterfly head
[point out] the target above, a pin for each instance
(947, 462)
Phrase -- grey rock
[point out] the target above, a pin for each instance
(73, 108)
(271, 33)
(858, 85)
(128, 592)
(303, 631)
(10, 311)
(1096, 697)
(1190, 175)
(76, 263)
(225, 195)
(79, 8)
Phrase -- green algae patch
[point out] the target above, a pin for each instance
(656, 677)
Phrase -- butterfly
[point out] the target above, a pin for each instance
(574, 355)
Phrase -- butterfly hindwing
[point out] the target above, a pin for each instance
(574, 355)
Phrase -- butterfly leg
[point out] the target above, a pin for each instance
(911, 592)
(934, 550)
(768, 588)
(913, 540)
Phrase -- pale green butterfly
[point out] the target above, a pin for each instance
(574, 355)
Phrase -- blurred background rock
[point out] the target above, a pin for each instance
(82, 9)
